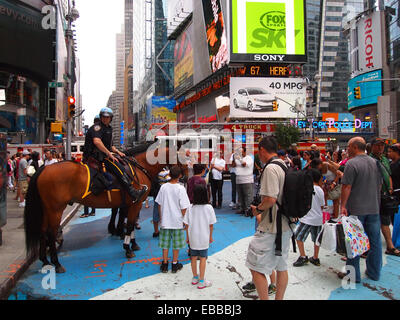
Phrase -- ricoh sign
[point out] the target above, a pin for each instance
(370, 42)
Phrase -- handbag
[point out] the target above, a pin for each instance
(389, 203)
(30, 171)
(327, 237)
(335, 193)
(355, 239)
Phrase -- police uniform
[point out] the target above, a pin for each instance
(104, 133)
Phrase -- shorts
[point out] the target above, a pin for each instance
(199, 253)
(177, 236)
(261, 253)
(23, 186)
(156, 213)
(303, 230)
(387, 220)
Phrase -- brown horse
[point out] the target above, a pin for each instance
(53, 187)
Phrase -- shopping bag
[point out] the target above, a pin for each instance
(340, 240)
(327, 213)
(327, 237)
(356, 240)
(396, 231)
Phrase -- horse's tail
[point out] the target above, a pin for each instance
(33, 214)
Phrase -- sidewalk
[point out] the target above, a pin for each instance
(13, 261)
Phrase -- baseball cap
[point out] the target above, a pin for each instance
(25, 153)
(377, 141)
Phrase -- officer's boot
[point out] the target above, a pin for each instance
(136, 195)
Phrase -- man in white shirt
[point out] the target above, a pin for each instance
(244, 165)
(232, 171)
(217, 181)
(49, 158)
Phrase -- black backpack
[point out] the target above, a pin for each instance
(296, 201)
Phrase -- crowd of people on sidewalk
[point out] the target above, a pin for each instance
(354, 180)
(23, 165)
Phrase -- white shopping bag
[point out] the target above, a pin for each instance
(327, 237)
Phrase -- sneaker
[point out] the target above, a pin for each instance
(176, 267)
(232, 204)
(164, 267)
(249, 287)
(315, 262)
(204, 284)
(271, 289)
(156, 234)
(21, 204)
(301, 261)
(195, 280)
(92, 214)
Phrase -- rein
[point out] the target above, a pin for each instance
(136, 164)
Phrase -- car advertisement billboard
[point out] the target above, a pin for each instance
(267, 97)
(370, 91)
(268, 31)
(216, 34)
(183, 61)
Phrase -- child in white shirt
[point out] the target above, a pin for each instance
(199, 221)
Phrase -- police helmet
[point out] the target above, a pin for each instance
(106, 112)
(96, 118)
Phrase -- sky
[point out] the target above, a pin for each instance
(96, 29)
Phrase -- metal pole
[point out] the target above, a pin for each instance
(69, 86)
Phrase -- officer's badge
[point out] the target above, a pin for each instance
(97, 128)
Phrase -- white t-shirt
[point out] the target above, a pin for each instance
(231, 169)
(49, 162)
(245, 174)
(217, 175)
(172, 198)
(199, 218)
(314, 216)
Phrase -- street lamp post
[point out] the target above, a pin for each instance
(72, 15)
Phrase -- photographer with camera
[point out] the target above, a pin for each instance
(244, 165)
(261, 258)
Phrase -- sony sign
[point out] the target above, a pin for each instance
(370, 42)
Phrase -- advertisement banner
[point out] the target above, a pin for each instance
(216, 34)
(370, 91)
(178, 11)
(267, 97)
(3, 180)
(160, 110)
(183, 62)
(268, 31)
(370, 42)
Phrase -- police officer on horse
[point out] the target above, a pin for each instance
(98, 145)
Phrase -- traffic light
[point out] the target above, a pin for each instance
(357, 92)
(275, 105)
(71, 107)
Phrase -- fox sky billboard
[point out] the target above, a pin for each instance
(268, 31)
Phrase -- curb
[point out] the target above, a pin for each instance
(22, 264)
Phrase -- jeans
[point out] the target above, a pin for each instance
(245, 193)
(233, 181)
(372, 227)
(216, 187)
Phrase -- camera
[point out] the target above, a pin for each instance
(256, 202)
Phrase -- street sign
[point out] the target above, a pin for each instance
(56, 84)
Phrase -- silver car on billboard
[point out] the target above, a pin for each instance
(254, 99)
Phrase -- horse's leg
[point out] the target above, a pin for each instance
(53, 252)
(111, 225)
(121, 221)
(128, 252)
(133, 215)
(43, 250)
(133, 211)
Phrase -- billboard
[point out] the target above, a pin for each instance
(366, 43)
(216, 34)
(370, 91)
(268, 31)
(183, 61)
(267, 97)
(178, 11)
(160, 110)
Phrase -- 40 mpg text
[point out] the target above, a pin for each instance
(286, 85)
(205, 309)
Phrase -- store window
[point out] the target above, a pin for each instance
(19, 105)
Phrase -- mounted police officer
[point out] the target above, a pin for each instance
(98, 145)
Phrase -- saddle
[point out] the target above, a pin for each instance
(102, 180)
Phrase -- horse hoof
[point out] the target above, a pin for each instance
(111, 230)
(60, 269)
(130, 254)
